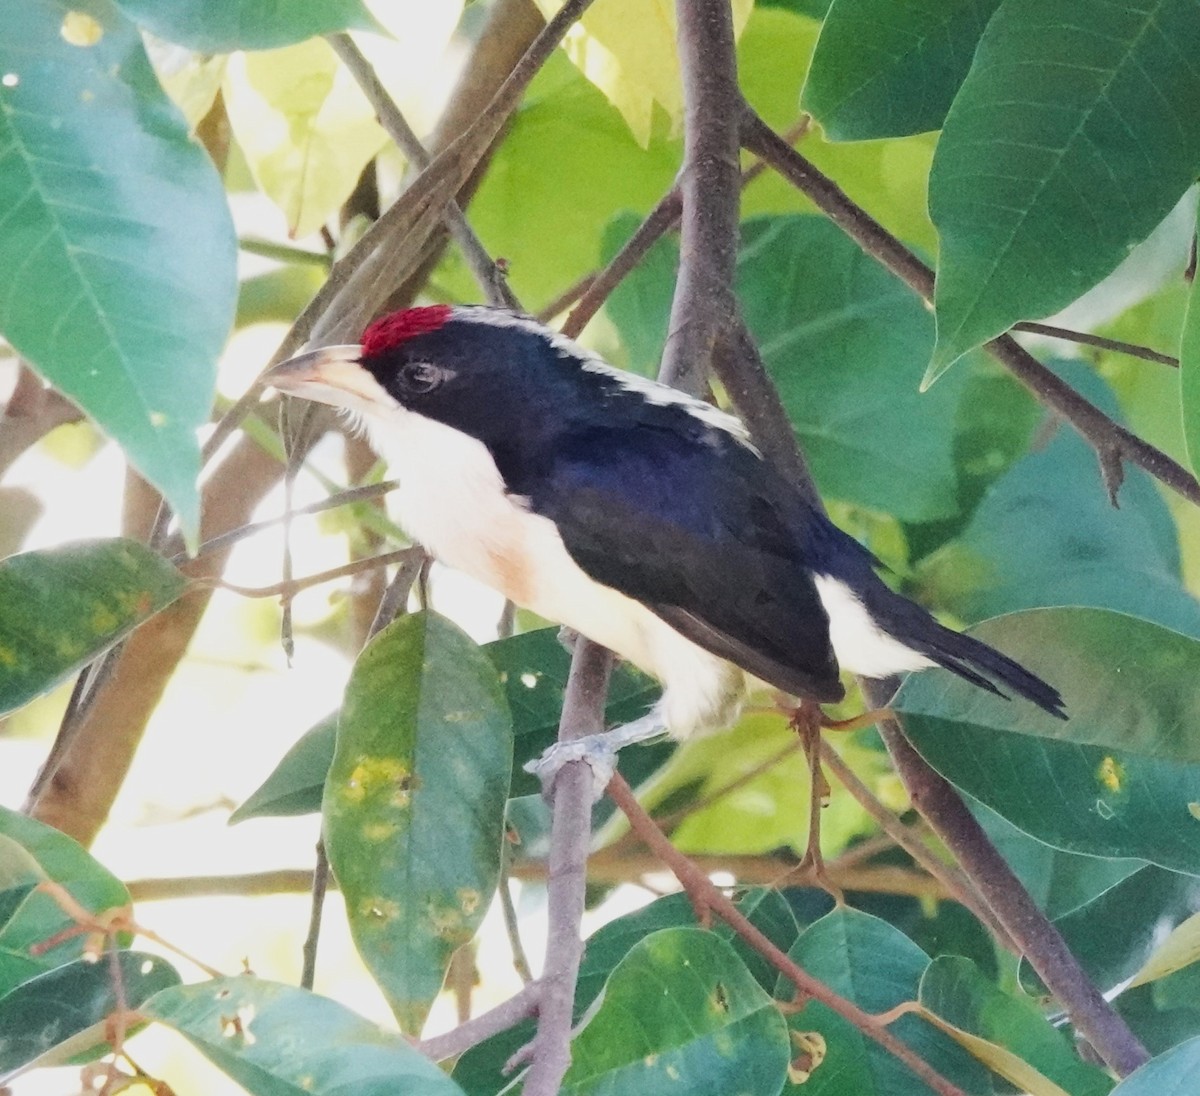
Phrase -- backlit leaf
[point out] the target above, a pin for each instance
(305, 127)
(60, 1014)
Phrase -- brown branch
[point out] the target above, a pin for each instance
(710, 186)
(1036, 938)
(32, 411)
(549, 1054)
(1110, 440)
(698, 884)
(520, 1006)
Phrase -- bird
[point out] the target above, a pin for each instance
(636, 515)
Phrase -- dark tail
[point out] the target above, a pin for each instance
(972, 660)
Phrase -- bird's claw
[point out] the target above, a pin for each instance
(595, 750)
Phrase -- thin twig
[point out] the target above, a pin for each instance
(956, 882)
(286, 589)
(1086, 338)
(520, 960)
(340, 498)
(698, 884)
(483, 267)
(591, 291)
(1110, 440)
(320, 883)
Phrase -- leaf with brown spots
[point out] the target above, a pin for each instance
(414, 804)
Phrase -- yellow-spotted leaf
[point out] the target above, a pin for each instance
(414, 803)
(627, 49)
(305, 127)
(60, 608)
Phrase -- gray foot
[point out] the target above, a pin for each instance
(598, 751)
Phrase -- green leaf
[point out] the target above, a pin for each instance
(533, 669)
(1045, 534)
(1059, 882)
(297, 783)
(276, 1040)
(19, 874)
(1124, 767)
(1171, 1074)
(1189, 376)
(705, 1026)
(845, 342)
(1072, 137)
(877, 967)
(60, 1014)
(63, 861)
(414, 803)
(245, 24)
(480, 1070)
(890, 68)
(117, 252)
(62, 607)
(954, 989)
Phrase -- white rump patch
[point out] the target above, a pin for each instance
(860, 645)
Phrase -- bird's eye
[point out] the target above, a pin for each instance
(421, 377)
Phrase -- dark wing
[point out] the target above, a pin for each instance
(692, 527)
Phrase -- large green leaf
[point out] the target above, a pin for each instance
(1171, 1074)
(1073, 135)
(888, 68)
(954, 989)
(414, 803)
(1119, 777)
(681, 1011)
(39, 917)
(877, 967)
(245, 24)
(62, 607)
(117, 252)
(276, 1040)
(60, 1014)
(1046, 534)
